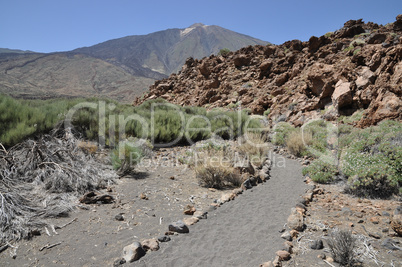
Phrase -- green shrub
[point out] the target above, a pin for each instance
(372, 159)
(125, 157)
(281, 131)
(320, 171)
(224, 52)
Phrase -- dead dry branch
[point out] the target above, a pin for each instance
(43, 178)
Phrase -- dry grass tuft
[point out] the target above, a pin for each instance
(296, 142)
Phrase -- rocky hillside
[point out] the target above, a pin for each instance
(161, 53)
(356, 67)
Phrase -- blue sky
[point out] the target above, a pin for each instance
(59, 25)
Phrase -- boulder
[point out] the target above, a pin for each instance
(366, 76)
(179, 227)
(295, 220)
(342, 95)
(133, 252)
(241, 60)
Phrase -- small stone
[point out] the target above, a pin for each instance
(133, 252)
(277, 262)
(294, 233)
(191, 220)
(247, 184)
(237, 191)
(119, 262)
(374, 220)
(169, 233)
(322, 256)
(227, 197)
(286, 235)
(200, 214)
(143, 196)
(351, 224)
(171, 177)
(150, 244)
(360, 221)
(179, 227)
(119, 217)
(189, 210)
(330, 259)
(164, 238)
(375, 235)
(317, 244)
(283, 255)
(267, 264)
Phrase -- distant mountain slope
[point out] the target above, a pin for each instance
(67, 75)
(14, 51)
(165, 51)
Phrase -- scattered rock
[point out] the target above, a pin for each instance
(201, 214)
(119, 217)
(322, 256)
(179, 227)
(317, 245)
(164, 238)
(133, 252)
(246, 184)
(191, 220)
(286, 235)
(375, 220)
(283, 255)
(237, 191)
(119, 262)
(150, 244)
(93, 198)
(143, 196)
(295, 220)
(227, 197)
(189, 210)
(267, 264)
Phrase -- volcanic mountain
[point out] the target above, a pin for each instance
(121, 68)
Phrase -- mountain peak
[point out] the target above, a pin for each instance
(195, 25)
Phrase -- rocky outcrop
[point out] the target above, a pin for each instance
(356, 67)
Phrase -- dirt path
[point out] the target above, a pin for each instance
(244, 232)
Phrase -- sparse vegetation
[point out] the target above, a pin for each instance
(320, 171)
(254, 147)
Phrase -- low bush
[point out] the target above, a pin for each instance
(372, 160)
(125, 157)
(297, 142)
(255, 147)
(217, 176)
(342, 245)
(320, 171)
(281, 132)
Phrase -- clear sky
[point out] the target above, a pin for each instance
(60, 25)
